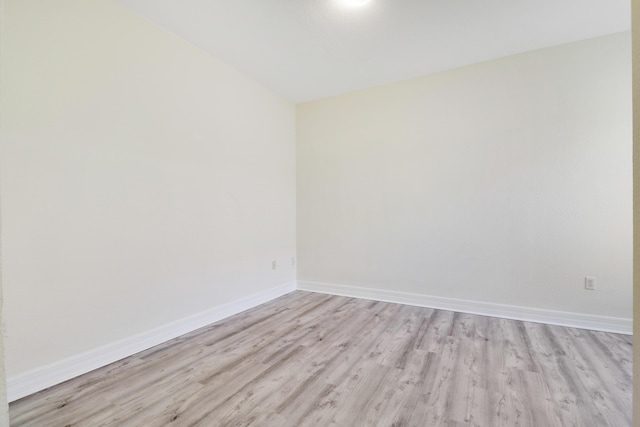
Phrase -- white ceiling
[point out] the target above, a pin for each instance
(309, 49)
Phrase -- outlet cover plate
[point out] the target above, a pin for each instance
(590, 283)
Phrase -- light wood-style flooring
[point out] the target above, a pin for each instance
(309, 359)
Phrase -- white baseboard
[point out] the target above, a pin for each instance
(22, 385)
(528, 314)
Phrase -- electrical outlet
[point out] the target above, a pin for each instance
(273, 264)
(293, 260)
(590, 283)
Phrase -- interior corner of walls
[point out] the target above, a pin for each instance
(25, 384)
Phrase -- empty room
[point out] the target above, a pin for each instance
(316, 213)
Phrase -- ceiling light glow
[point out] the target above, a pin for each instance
(355, 3)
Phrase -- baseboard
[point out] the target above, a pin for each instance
(22, 385)
(529, 314)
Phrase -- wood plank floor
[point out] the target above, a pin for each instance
(316, 360)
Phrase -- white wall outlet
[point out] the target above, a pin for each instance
(273, 264)
(293, 260)
(590, 283)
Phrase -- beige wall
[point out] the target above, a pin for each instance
(636, 209)
(142, 180)
(4, 408)
(507, 182)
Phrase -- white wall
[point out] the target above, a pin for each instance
(635, 31)
(505, 182)
(4, 407)
(142, 180)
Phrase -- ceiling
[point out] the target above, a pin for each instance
(309, 49)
